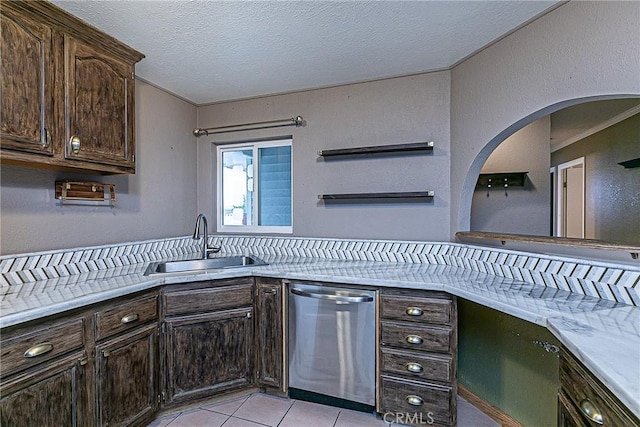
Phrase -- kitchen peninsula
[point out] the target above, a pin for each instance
(489, 277)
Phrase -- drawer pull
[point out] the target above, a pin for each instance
(413, 311)
(129, 318)
(38, 350)
(413, 339)
(414, 400)
(590, 411)
(416, 368)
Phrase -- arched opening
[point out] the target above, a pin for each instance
(611, 195)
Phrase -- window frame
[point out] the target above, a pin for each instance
(255, 145)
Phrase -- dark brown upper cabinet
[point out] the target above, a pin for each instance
(27, 83)
(99, 94)
(68, 92)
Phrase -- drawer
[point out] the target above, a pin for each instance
(40, 345)
(586, 393)
(206, 300)
(125, 316)
(417, 402)
(419, 366)
(416, 337)
(411, 309)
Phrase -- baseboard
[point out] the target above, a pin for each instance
(491, 411)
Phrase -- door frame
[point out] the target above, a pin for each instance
(561, 193)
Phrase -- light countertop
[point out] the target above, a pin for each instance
(603, 334)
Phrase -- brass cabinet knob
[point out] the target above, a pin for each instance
(74, 142)
(413, 311)
(591, 411)
(414, 400)
(414, 367)
(413, 339)
(38, 350)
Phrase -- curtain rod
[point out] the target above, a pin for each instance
(294, 121)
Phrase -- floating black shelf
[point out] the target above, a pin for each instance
(371, 196)
(630, 164)
(499, 180)
(396, 148)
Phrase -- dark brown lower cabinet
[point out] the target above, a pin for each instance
(417, 382)
(584, 401)
(127, 379)
(208, 353)
(269, 334)
(51, 395)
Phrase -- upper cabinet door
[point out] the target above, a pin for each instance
(27, 84)
(99, 106)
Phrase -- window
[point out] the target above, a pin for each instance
(255, 187)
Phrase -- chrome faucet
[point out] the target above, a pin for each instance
(206, 249)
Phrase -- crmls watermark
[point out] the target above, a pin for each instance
(408, 418)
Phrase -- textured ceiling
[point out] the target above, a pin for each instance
(211, 51)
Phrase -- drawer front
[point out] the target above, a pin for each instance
(125, 316)
(40, 345)
(406, 308)
(419, 366)
(416, 337)
(588, 395)
(206, 300)
(417, 403)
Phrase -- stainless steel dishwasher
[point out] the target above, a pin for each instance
(332, 342)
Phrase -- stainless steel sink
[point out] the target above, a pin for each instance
(197, 265)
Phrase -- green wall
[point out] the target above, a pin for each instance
(498, 361)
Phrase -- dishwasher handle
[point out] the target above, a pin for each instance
(332, 297)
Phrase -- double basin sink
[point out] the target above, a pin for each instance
(201, 265)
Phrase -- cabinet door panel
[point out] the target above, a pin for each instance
(27, 83)
(269, 324)
(99, 105)
(209, 352)
(127, 384)
(568, 415)
(51, 396)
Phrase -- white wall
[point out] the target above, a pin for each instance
(158, 201)
(580, 50)
(524, 210)
(392, 111)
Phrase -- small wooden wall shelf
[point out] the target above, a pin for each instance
(85, 191)
(501, 180)
(631, 164)
(396, 148)
(378, 196)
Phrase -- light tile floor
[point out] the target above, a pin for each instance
(260, 410)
